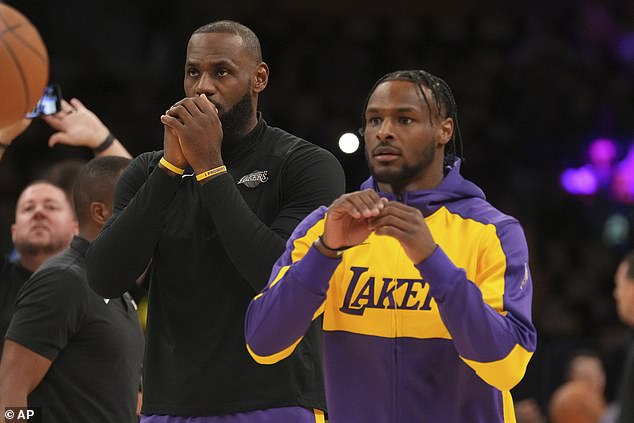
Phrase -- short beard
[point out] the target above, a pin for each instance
(235, 120)
(401, 177)
(26, 248)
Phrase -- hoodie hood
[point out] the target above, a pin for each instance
(453, 188)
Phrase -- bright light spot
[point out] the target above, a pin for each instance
(348, 143)
(602, 151)
(616, 229)
(580, 181)
(623, 180)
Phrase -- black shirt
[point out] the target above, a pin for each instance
(12, 277)
(626, 393)
(212, 248)
(95, 345)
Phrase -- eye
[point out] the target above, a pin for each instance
(192, 72)
(222, 72)
(374, 121)
(405, 120)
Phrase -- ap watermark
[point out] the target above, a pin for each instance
(22, 414)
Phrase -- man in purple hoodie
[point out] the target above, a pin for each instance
(424, 287)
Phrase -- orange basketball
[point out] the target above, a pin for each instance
(23, 65)
(576, 402)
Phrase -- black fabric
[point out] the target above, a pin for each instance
(12, 277)
(95, 345)
(212, 247)
(626, 393)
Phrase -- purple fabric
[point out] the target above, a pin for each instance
(416, 371)
(452, 188)
(400, 379)
(307, 285)
(479, 332)
(272, 415)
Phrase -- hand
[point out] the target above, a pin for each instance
(76, 125)
(196, 123)
(348, 218)
(172, 148)
(9, 133)
(408, 226)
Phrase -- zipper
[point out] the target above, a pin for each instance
(395, 343)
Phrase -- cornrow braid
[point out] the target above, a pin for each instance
(444, 101)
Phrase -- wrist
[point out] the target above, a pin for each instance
(204, 167)
(207, 175)
(105, 144)
(178, 161)
(328, 251)
(170, 168)
(99, 136)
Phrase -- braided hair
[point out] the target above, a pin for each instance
(444, 101)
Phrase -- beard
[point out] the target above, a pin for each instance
(26, 247)
(235, 120)
(400, 177)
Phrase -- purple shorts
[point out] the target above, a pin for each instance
(271, 415)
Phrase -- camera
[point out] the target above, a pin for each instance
(49, 103)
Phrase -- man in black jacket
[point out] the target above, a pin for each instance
(624, 296)
(69, 352)
(210, 213)
(44, 226)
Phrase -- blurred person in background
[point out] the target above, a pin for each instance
(44, 219)
(75, 125)
(70, 352)
(624, 296)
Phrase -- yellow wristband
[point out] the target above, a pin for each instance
(211, 172)
(176, 170)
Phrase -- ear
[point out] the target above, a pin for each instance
(261, 77)
(445, 131)
(13, 233)
(99, 212)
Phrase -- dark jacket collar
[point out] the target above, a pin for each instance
(235, 150)
(80, 245)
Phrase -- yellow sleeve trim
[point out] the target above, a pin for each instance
(319, 416)
(274, 358)
(503, 374)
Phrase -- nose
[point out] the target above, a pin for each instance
(205, 85)
(39, 213)
(386, 130)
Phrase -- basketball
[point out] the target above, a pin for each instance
(576, 402)
(23, 65)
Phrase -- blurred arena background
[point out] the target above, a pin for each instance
(542, 88)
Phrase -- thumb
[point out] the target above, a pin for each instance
(58, 137)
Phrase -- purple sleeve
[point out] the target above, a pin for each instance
(479, 332)
(282, 313)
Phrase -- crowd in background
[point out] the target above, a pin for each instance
(534, 85)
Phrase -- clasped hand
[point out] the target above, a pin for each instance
(193, 134)
(352, 217)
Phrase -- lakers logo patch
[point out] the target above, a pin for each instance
(254, 178)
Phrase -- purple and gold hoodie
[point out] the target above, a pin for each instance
(443, 340)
